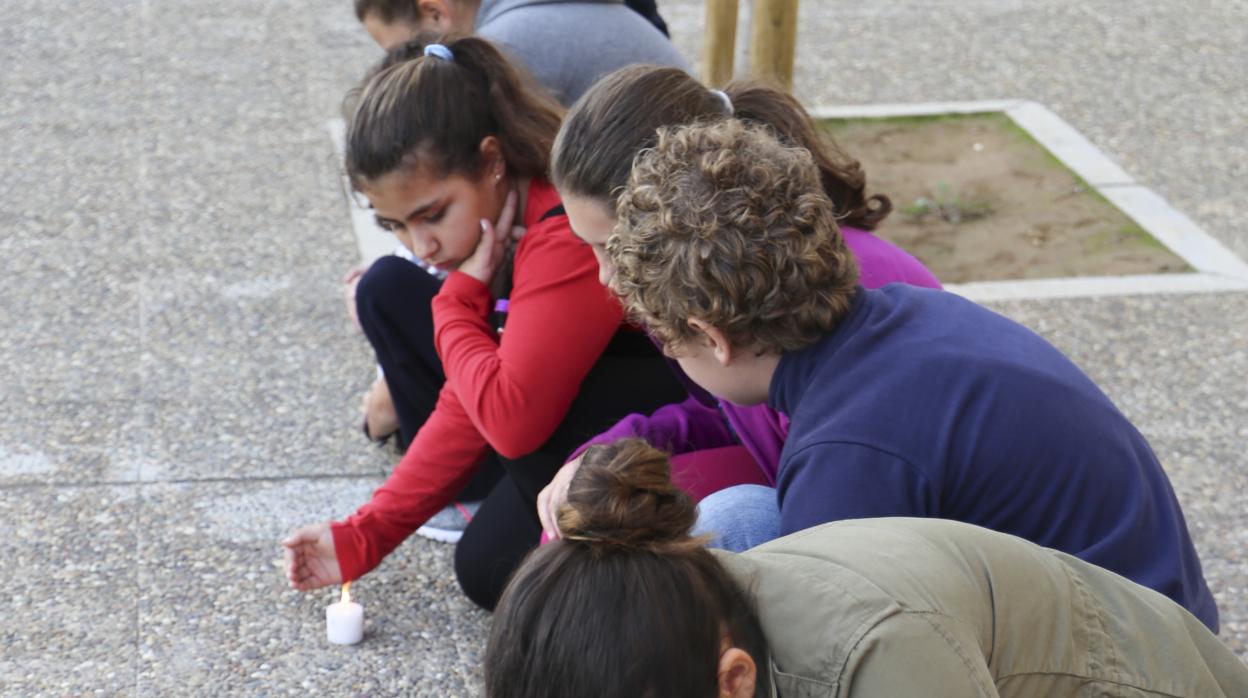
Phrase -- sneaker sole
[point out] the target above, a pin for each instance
(441, 535)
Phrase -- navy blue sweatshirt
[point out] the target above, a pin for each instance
(922, 403)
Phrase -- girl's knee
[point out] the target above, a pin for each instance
(394, 292)
(389, 276)
(739, 518)
(473, 563)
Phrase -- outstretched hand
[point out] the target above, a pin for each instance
(311, 562)
(495, 237)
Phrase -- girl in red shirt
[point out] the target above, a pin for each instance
(441, 145)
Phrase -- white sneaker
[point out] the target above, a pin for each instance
(447, 526)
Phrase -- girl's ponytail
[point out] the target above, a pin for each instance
(623, 498)
(430, 111)
(526, 115)
(843, 179)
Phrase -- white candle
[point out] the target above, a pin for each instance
(344, 621)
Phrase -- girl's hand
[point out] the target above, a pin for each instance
(494, 241)
(350, 281)
(554, 495)
(311, 562)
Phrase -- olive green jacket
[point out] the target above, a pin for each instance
(933, 608)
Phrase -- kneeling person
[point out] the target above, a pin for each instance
(904, 401)
(877, 607)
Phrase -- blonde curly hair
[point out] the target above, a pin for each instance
(723, 223)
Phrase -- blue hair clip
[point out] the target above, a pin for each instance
(439, 51)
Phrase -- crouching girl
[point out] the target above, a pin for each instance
(518, 356)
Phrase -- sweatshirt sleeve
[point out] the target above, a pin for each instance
(438, 464)
(681, 427)
(831, 481)
(917, 654)
(560, 319)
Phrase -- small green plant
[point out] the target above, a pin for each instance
(948, 207)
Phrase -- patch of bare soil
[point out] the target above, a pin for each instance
(976, 199)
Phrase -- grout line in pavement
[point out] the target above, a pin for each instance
(144, 182)
(186, 481)
(143, 178)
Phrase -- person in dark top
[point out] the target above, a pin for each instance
(903, 401)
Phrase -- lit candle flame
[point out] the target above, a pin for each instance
(346, 592)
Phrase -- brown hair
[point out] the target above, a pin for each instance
(626, 604)
(387, 10)
(724, 223)
(408, 50)
(618, 117)
(397, 10)
(431, 112)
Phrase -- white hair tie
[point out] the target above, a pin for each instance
(726, 100)
(439, 51)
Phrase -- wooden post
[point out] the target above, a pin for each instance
(773, 40)
(719, 41)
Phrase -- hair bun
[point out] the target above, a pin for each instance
(622, 496)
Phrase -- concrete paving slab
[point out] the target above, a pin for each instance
(343, 56)
(233, 440)
(70, 599)
(229, 215)
(76, 639)
(236, 390)
(217, 617)
(72, 72)
(194, 71)
(51, 440)
(59, 537)
(201, 95)
(72, 333)
(70, 184)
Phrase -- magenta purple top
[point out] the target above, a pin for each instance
(702, 422)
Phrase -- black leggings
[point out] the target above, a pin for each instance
(393, 299)
(392, 302)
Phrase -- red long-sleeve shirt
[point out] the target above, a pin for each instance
(507, 393)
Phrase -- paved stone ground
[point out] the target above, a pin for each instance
(179, 382)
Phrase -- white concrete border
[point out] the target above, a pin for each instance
(887, 111)
(1217, 268)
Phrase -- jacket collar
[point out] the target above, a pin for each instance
(771, 671)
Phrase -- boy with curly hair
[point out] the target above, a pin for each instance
(904, 401)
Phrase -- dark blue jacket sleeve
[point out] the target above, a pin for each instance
(830, 481)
